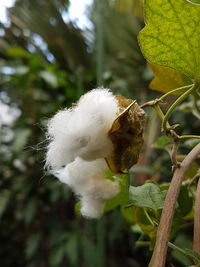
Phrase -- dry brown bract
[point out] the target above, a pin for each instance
(126, 135)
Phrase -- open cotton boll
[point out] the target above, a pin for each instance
(82, 130)
(87, 179)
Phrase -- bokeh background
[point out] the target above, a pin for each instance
(51, 52)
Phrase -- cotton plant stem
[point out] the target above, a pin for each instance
(160, 251)
(174, 105)
(159, 111)
(175, 91)
(160, 99)
(196, 234)
(171, 245)
(189, 137)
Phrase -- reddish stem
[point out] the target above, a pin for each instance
(196, 238)
(160, 251)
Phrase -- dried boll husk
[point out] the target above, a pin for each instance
(126, 135)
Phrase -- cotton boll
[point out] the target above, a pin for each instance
(82, 130)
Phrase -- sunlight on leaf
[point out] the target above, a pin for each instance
(171, 36)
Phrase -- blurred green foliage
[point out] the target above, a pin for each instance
(45, 65)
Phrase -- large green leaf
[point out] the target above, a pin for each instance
(171, 36)
(148, 195)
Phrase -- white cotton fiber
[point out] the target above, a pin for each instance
(78, 143)
(87, 179)
(92, 208)
(82, 130)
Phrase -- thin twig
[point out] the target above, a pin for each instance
(174, 105)
(175, 163)
(196, 235)
(159, 255)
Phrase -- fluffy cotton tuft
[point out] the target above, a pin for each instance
(79, 141)
(82, 130)
(87, 179)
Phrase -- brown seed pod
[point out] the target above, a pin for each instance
(126, 135)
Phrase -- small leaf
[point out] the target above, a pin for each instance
(171, 36)
(167, 79)
(148, 195)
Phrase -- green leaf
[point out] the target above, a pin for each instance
(180, 241)
(18, 52)
(71, 248)
(185, 201)
(128, 214)
(148, 195)
(32, 244)
(30, 210)
(192, 255)
(144, 223)
(56, 256)
(162, 142)
(171, 36)
(89, 251)
(122, 197)
(4, 198)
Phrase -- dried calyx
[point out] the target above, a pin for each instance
(126, 135)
